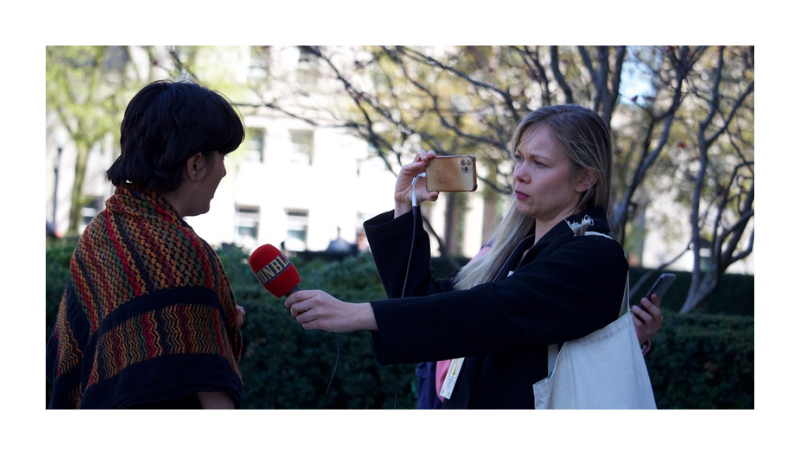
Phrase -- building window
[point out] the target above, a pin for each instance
(254, 153)
(246, 222)
(259, 62)
(296, 230)
(302, 146)
(307, 58)
(307, 66)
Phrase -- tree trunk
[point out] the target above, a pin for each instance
(77, 188)
(700, 291)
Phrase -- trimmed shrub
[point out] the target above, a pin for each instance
(58, 254)
(698, 361)
(285, 366)
(703, 361)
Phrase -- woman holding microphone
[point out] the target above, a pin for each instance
(544, 281)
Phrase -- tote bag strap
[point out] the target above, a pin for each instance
(625, 304)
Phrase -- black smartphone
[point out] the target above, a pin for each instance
(661, 285)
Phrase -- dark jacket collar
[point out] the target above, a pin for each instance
(599, 223)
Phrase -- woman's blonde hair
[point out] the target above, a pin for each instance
(585, 138)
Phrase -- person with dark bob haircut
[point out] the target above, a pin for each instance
(148, 319)
(164, 125)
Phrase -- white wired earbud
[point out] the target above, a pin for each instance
(414, 189)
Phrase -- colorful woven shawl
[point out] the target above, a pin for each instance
(147, 315)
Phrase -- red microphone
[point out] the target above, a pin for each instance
(276, 273)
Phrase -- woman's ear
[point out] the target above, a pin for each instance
(194, 169)
(586, 180)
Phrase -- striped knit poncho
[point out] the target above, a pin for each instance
(147, 316)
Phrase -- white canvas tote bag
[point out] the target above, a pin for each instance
(603, 370)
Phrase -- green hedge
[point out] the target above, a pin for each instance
(285, 366)
(698, 360)
(703, 361)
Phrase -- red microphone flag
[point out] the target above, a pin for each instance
(276, 273)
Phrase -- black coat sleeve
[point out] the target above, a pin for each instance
(391, 244)
(568, 293)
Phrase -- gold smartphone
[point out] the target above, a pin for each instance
(454, 173)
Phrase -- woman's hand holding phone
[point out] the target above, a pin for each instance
(647, 316)
(403, 187)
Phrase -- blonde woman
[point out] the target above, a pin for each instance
(548, 277)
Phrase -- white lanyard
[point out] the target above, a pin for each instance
(450, 379)
(453, 370)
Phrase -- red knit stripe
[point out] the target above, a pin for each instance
(121, 254)
(99, 275)
(147, 329)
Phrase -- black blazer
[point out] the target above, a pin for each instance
(566, 287)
